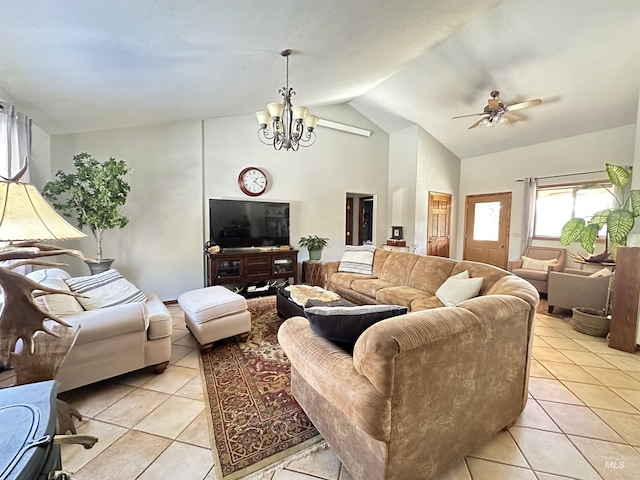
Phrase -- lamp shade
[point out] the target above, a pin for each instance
(26, 216)
(299, 112)
(275, 109)
(311, 121)
(263, 118)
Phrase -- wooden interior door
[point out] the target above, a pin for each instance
(486, 228)
(439, 224)
(348, 235)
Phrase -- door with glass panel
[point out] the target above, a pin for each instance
(486, 228)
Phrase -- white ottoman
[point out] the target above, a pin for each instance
(214, 313)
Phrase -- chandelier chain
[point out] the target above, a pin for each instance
(287, 76)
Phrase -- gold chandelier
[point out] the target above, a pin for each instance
(287, 123)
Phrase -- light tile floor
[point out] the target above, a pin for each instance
(582, 420)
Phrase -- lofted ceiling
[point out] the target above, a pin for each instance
(77, 65)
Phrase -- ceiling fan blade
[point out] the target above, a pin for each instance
(470, 115)
(510, 117)
(527, 104)
(475, 124)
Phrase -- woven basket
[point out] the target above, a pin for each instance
(590, 321)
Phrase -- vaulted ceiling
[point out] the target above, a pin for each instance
(77, 65)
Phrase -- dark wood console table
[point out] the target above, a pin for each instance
(251, 266)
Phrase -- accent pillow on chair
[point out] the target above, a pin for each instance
(357, 259)
(344, 325)
(105, 290)
(535, 264)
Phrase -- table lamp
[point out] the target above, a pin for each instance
(25, 219)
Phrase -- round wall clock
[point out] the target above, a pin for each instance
(252, 181)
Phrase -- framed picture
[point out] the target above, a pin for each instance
(396, 233)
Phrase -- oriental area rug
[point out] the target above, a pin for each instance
(255, 423)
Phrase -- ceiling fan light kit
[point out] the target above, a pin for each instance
(283, 125)
(497, 112)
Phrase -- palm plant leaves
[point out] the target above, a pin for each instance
(588, 237)
(619, 224)
(618, 175)
(571, 230)
(635, 202)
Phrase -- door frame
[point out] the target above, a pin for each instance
(508, 226)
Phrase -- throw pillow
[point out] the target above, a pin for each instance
(357, 259)
(535, 264)
(605, 272)
(458, 288)
(344, 325)
(105, 290)
(57, 304)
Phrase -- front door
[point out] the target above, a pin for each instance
(439, 224)
(486, 228)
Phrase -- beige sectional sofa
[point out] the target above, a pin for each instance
(113, 340)
(420, 390)
(405, 279)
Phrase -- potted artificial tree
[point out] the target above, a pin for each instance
(314, 245)
(93, 195)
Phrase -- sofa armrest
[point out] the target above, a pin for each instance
(160, 320)
(109, 321)
(331, 267)
(558, 267)
(513, 264)
(328, 369)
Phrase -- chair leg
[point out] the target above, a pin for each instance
(207, 347)
(159, 367)
(550, 309)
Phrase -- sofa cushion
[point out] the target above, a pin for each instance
(344, 325)
(105, 290)
(458, 288)
(425, 303)
(536, 264)
(357, 259)
(57, 304)
(400, 295)
(370, 286)
(430, 272)
(605, 272)
(344, 280)
(397, 267)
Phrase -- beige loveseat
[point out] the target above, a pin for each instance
(112, 340)
(423, 389)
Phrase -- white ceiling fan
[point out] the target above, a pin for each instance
(498, 112)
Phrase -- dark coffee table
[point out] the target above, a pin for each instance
(287, 308)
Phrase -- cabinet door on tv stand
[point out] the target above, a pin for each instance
(226, 269)
(257, 267)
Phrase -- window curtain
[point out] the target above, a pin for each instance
(15, 141)
(15, 149)
(530, 186)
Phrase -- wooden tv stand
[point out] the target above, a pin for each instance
(251, 266)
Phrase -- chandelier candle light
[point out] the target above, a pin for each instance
(287, 122)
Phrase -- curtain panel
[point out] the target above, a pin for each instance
(15, 141)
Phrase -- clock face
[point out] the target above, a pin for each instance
(252, 181)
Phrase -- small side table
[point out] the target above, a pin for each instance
(313, 273)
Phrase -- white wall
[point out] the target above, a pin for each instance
(314, 180)
(177, 167)
(497, 172)
(40, 164)
(160, 249)
(438, 171)
(403, 165)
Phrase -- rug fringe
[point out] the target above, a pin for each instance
(267, 473)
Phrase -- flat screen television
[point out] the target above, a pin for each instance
(248, 223)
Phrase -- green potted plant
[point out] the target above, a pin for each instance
(314, 244)
(93, 195)
(619, 220)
